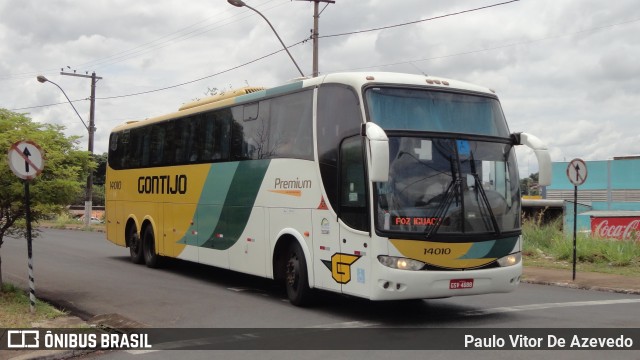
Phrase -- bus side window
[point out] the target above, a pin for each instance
(186, 147)
(134, 151)
(339, 117)
(157, 144)
(215, 129)
(237, 134)
(290, 126)
(170, 143)
(250, 131)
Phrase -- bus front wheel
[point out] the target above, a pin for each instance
(135, 245)
(296, 279)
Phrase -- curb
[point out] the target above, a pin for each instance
(582, 286)
(52, 354)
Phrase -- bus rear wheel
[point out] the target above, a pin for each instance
(151, 258)
(135, 246)
(296, 279)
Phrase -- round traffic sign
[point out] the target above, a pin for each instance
(577, 172)
(25, 159)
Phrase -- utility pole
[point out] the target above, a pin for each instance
(314, 32)
(88, 198)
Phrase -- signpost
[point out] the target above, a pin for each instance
(26, 161)
(577, 174)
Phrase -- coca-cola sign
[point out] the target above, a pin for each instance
(623, 228)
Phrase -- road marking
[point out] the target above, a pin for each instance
(343, 325)
(530, 307)
(140, 352)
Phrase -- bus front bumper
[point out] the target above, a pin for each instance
(393, 284)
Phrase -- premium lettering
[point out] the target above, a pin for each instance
(292, 184)
(163, 184)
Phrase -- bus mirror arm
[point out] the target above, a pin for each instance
(378, 144)
(542, 154)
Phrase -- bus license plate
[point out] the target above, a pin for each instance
(460, 284)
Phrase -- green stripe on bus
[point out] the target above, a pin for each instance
(238, 204)
(269, 92)
(212, 198)
(502, 247)
(491, 249)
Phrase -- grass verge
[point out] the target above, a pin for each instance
(546, 245)
(15, 309)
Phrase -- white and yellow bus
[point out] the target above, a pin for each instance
(377, 185)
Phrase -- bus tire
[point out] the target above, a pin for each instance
(296, 278)
(135, 245)
(151, 258)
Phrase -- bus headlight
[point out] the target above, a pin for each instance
(400, 263)
(510, 260)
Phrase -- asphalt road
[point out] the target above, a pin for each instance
(88, 275)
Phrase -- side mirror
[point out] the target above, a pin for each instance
(542, 154)
(378, 143)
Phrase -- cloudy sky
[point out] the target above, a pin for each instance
(567, 71)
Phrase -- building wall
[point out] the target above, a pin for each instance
(610, 185)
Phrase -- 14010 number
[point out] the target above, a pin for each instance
(437, 251)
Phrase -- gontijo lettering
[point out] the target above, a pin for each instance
(163, 184)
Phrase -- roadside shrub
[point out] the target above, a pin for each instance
(62, 220)
(548, 240)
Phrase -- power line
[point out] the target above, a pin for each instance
(199, 79)
(527, 42)
(171, 41)
(419, 21)
(47, 105)
(158, 43)
(356, 32)
(273, 53)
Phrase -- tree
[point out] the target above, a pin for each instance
(100, 172)
(63, 178)
(99, 176)
(529, 185)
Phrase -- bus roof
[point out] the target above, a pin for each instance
(355, 79)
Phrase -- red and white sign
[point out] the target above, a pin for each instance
(25, 159)
(622, 228)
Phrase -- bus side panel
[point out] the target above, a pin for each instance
(178, 232)
(355, 263)
(296, 222)
(248, 253)
(115, 226)
(208, 217)
(326, 242)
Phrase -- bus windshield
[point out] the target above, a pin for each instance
(436, 111)
(441, 183)
(448, 186)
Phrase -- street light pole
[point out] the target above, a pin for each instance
(88, 199)
(240, 3)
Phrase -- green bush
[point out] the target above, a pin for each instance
(548, 240)
(64, 219)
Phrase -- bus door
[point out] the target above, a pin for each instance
(353, 267)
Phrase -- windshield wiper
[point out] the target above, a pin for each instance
(483, 195)
(453, 190)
